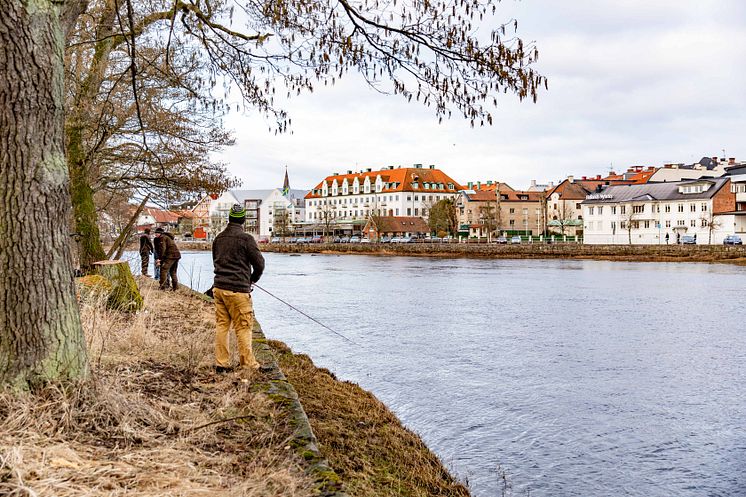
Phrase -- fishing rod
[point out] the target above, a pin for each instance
(298, 310)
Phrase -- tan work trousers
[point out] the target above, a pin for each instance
(233, 308)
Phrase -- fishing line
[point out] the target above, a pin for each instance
(298, 310)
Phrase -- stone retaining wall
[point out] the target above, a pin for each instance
(526, 251)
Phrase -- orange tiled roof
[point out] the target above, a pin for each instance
(491, 187)
(402, 178)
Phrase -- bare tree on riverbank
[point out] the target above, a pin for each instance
(431, 56)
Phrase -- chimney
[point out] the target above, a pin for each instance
(585, 177)
(368, 170)
(731, 161)
(470, 185)
(598, 176)
(489, 182)
(418, 166)
(571, 179)
(432, 166)
(533, 183)
(349, 171)
(479, 185)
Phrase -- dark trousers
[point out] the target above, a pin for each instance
(145, 259)
(168, 268)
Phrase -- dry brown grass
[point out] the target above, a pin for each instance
(153, 419)
(364, 442)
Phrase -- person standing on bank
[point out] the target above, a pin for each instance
(238, 264)
(157, 250)
(169, 261)
(146, 247)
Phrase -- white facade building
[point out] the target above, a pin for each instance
(264, 208)
(644, 214)
(350, 199)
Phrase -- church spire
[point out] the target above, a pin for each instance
(286, 183)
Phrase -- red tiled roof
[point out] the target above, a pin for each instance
(161, 216)
(402, 224)
(401, 177)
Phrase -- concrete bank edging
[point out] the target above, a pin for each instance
(281, 391)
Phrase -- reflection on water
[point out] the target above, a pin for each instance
(578, 378)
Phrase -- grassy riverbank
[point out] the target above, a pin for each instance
(154, 419)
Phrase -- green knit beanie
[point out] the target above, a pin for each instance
(237, 214)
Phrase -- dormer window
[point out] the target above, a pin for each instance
(450, 186)
(415, 185)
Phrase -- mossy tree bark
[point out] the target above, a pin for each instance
(40, 332)
(79, 162)
(124, 295)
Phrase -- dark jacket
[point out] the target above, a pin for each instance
(146, 246)
(237, 259)
(170, 250)
(158, 246)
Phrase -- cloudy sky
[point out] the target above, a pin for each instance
(636, 82)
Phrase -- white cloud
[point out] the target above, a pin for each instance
(638, 83)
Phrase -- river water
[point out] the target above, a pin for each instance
(572, 378)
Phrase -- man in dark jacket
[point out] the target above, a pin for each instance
(146, 247)
(238, 263)
(157, 250)
(169, 261)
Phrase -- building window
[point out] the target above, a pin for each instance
(600, 209)
(704, 223)
(623, 209)
(704, 207)
(416, 211)
(693, 207)
(577, 206)
(693, 223)
(638, 209)
(680, 222)
(590, 210)
(623, 225)
(668, 208)
(647, 224)
(512, 222)
(668, 223)
(409, 211)
(613, 209)
(416, 198)
(681, 207)
(512, 210)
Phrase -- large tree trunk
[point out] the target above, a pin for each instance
(40, 332)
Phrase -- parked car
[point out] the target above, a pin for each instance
(688, 240)
(337, 239)
(435, 239)
(732, 240)
(263, 239)
(344, 239)
(515, 240)
(501, 240)
(354, 239)
(293, 240)
(396, 239)
(275, 239)
(365, 239)
(384, 239)
(407, 239)
(317, 239)
(448, 239)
